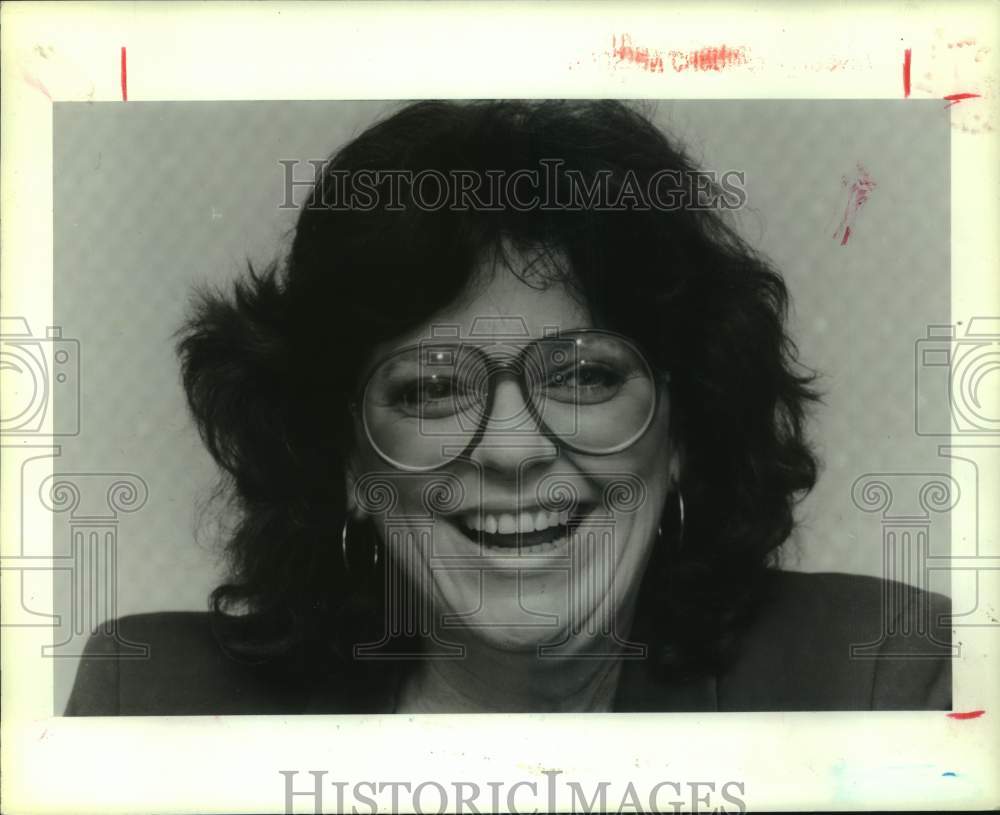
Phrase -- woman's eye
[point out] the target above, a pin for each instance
(435, 396)
(436, 390)
(592, 382)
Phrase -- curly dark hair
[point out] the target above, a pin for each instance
(269, 369)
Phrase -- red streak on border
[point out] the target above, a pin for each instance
(712, 58)
(624, 51)
(847, 234)
(955, 98)
(124, 77)
(36, 83)
(971, 714)
(907, 57)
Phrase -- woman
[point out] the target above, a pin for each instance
(516, 426)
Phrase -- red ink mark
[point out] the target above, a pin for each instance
(858, 194)
(124, 78)
(962, 43)
(36, 83)
(955, 98)
(712, 58)
(624, 51)
(709, 59)
(907, 56)
(972, 714)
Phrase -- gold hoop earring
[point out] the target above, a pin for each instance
(680, 510)
(680, 516)
(343, 549)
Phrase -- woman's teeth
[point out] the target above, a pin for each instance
(508, 523)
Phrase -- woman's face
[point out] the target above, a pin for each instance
(519, 541)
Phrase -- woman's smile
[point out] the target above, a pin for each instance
(532, 531)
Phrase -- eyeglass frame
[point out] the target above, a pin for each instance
(515, 367)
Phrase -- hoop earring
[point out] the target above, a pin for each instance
(680, 510)
(680, 515)
(343, 549)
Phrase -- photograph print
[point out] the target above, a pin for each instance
(502, 406)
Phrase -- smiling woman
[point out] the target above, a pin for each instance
(533, 432)
(514, 457)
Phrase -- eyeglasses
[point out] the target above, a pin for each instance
(591, 391)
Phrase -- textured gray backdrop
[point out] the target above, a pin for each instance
(153, 197)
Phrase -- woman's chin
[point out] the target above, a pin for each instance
(517, 598)
(515, 640)
(506, 614)
(499, 610)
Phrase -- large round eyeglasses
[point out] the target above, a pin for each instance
(591, 391)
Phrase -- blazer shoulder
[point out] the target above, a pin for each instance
(856, 604)
(840, 641)
(148, 636)
(859, 590)
(167, 663)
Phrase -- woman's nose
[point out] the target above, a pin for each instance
(512, 437)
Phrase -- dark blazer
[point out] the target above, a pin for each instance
(796, 655)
